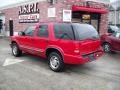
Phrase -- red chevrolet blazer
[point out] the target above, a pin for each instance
(60, 43)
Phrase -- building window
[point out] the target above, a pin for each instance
(119, 15)
(86, 18)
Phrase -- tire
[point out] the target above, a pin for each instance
(107, 47)
(15, 50)
(55, 62)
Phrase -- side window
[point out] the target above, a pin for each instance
(29, 31)
(43, 31)
(117, 35)
(63, 31)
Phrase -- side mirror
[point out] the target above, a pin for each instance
(21, 33)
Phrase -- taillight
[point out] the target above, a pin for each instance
(76, 51)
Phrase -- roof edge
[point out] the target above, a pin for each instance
(19, 4)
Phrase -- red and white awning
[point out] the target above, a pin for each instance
(86, 9)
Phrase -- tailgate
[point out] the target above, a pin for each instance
(89, 46)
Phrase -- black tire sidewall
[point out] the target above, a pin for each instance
(19, 52)
(61, 63)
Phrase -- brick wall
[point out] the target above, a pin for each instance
(43, 6)
(103, 24)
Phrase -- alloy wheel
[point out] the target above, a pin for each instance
(54, 62)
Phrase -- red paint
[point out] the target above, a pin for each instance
(80, 8)
(112, 40)
(72, 51)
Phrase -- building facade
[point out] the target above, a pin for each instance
(28, 13)
(114, 13)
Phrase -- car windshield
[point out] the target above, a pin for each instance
(115, 28)
(85, 31)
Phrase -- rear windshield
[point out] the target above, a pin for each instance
(85, 31)
(71, 31)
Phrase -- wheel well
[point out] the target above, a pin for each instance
(49, 50)
(105, 43)
(13, 42)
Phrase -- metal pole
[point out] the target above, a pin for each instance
(115, 17)
(115, 12)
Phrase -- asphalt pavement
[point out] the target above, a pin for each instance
(30, 72)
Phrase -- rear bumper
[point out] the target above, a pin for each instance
(78, 59)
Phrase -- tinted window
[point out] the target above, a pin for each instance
(63, 31)
(117, 35)
(29, 31)
(43, 31)
(85, 31)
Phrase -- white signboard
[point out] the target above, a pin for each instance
(51, 12)
(29, 13)
(67, 14)
(29, 18)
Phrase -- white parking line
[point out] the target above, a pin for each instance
(10, 61)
